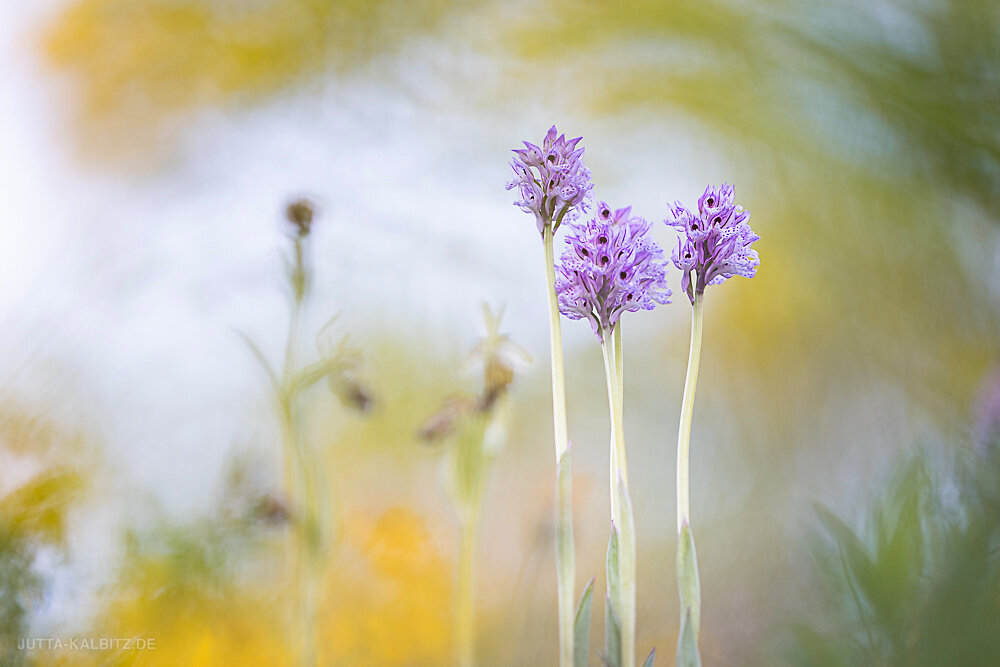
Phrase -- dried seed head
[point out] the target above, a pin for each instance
(271, 510)
(443, 423)
(300, 214)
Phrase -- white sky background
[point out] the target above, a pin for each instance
(120, 293)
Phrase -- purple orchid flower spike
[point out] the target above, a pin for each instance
(714, 244)
(716, 241)
(554, 186)
(552, 180)
(611, 266)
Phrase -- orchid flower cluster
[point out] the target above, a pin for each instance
(611, 265)
(551, 179)
(716, 242)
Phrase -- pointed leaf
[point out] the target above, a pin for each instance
(564, 516)
(581, 627)
(856, 554)
(687, 645)
(612, 635)
(612, 565)
(625, 602)
(688, 584)
(650, 659)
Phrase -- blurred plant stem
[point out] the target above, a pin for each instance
(300, 484)
(689, 586)
(464, 622)
(481, 437)
(470, 463)
(565, 554)
(475, 430)
(622, 519)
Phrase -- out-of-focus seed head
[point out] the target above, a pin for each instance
(445, 420)
(300, 213)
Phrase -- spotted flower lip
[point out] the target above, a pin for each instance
(716, 240)
(611, 266)
(551, 179)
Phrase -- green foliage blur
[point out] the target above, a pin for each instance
(919, 584)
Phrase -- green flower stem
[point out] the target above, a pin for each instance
(301, 491)
(565, 555)
(621, 506)
(688, 583)
(687, 409)
(464, 621)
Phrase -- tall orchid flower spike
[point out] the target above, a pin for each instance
(715, 242)
(612, 266)
(552, 180)
(714, 246)
(554, 186)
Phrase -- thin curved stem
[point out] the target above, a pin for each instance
(621, 505)
(687, 410)
(565, 554)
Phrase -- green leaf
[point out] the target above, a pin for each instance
(687, 645)
(581, 627)
(612, 635)
(612, 565)
(564, 517)
(650, 659)
(688, 585)
(857, 557)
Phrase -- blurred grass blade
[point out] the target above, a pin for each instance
(856, 554)
(687, 646)
(581, 627)
(650, 659)
(275, 383)
(688, 585)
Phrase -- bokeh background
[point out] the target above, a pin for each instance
(845, 439)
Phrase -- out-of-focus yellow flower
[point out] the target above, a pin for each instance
(198, 629)
(392, 606)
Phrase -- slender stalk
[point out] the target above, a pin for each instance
(618, 465)
(555, 331)
(565, 555)
(620, 365)
(464, 621)
(621, 506)
(687, 409)
(299, 486)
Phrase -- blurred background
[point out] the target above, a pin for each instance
(844, 475)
